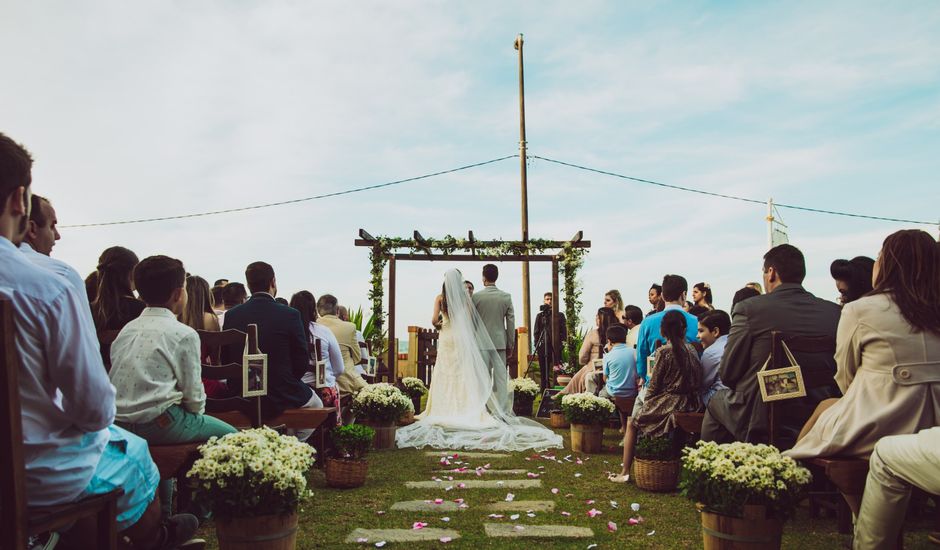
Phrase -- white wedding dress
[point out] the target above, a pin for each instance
(462, 410)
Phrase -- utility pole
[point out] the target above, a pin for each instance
(526, 312)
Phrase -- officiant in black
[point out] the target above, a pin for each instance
(549, 352)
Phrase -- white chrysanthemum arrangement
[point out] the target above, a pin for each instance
(252, 473)
(524, 386)
(586, 408)
(728, 476)
(381, 403)
(414, 387)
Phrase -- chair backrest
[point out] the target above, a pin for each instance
(234, 342)
(13, 515)
(814, 375)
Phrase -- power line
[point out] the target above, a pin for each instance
(732, 197)
(293, 201)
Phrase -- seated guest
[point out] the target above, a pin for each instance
(741, 295)
(673, 387)
(619, 365)
(757, 287)
(343, 314)
(738, 413)
(674, 289)
(591, 350)
(887, 349)
(713, 329)
(233, 294)
(350, 381)
(701, 298)
(115, 304)
(853, 277)
(306, 304)
(217, 307)
(897, 464)
(199, 314)
(282, 336)
(71, 450)
(614, 301)
(41, 236)
(155, 363)
(632, 317)
(656, 299)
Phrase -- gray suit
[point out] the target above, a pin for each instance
(495, 309)
(739, 413)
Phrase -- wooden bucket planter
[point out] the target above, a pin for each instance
(656, 475)
(587, 438)
(384, 434)
(344, 473)
(257, 533)
(416, 401)
(752, 532)
(522, 404)
(558, 420)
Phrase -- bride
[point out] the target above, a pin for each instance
(463, 410)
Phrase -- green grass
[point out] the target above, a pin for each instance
(333, 514)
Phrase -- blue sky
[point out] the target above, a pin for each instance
(154, 108)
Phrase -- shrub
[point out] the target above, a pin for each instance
(353, 440)
(657, 448)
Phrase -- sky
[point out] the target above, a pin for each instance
(158, 108)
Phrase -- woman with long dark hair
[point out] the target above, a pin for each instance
(701, 299)
(199, 312)
(853, 277)
(592, 349)
(115, 304)
(674, 387)
(306, 304)
(887, 355)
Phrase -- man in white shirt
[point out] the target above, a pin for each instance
(41, 235)
(155, 363)
(632, 318)
(70, 448)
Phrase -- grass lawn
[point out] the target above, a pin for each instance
(670, 521)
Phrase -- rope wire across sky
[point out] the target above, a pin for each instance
(492, 161)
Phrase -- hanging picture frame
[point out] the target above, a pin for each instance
(254, 375)
(781, 384)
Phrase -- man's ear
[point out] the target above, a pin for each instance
(772, 274)
(31, 230)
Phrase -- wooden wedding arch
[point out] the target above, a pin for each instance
(392, 250)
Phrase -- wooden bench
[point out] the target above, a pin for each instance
(689, 422)
(174, 462)
(17, 521)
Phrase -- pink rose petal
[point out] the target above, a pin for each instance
(362, 539)
(458, 500)
(566, 514)
(633, 521)
(591, 501)
(611, 526)
(594, 513)
(554, 490)
(438, 501)
(445, 540)
(419, 525)
(495, 516)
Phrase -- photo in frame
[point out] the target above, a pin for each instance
(371, 367)
(254, 375)
(780, 384)
(321, 374)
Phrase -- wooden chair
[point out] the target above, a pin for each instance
(17, 521)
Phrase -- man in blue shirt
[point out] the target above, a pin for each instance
(619, 365)
(675, 288)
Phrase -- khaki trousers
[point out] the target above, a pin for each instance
(897, 463)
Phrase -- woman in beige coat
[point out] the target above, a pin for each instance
(888, 356)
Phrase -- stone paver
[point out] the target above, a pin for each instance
(468, 454)
(424, 506)
(521, 506)
(536, 531)
(484, 472)
(479, 484)
(401, 535)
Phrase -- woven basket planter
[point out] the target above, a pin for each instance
(344, 473)
(558, 420)
(656, 475)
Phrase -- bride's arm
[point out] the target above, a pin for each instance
(436, 316)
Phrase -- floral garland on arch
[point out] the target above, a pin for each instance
(571, 260)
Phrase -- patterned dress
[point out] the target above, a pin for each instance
(673, 387)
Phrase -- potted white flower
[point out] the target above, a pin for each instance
(381, 406)
(587, 414)
(414, 388)
(253, 481)
(524, 391)
(742, 490)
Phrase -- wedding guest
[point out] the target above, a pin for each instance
(674, 289)
(741, 295)
(41, 236)
(619, 365)
(701, 299)
(713, 328)
(673, 387)
(220, 282)
(738, 413)
(632, 318)
(614, 301)
(198, 312)
(306, 304)
(350, 382)
(115, 304)
(282, 301)
(71, 449)
(234, 294)
(655, 298)
(282, 336)
(887, 344)
(343, 314)
(591, 350)
(897, 464)
(853, 277)
(757, 287)
(217, 306)
(546, 348)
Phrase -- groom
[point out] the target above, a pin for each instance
(495, 309)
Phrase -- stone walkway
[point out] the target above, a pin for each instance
(510, 509)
